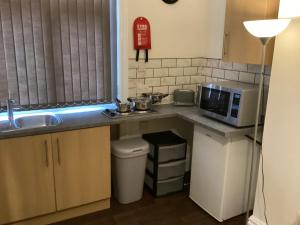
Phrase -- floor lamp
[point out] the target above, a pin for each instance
(265, 30)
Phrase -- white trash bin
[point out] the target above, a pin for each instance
(129, 158)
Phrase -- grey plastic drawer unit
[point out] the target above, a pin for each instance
(164, 187)
(166, 163)
(166, 170)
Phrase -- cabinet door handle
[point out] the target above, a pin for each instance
(226, 40)
(46, 153)
(58, 152)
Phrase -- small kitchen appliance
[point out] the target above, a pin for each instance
(233, 103)
(184, 97)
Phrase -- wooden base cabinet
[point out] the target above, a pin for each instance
(81, 166)
(26, 173)
(45, 174)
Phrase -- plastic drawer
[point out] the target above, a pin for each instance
(168, 153)
(166, 146)
(164, 187)
(166, 170)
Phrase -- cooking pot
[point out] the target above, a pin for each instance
(155, 97)
(141, 104)
(123, 107)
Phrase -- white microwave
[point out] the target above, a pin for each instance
(233, 103)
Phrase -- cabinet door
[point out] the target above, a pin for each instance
(239, 45)
(208, 171)
(81, 166)
(27, 183)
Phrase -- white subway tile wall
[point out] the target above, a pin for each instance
(169, 63)
(218, 73)
(166, 75)
(184, 62)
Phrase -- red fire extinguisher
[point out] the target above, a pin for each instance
(142, 36)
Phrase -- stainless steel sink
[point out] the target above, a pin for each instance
(37, 121)
(30, 122)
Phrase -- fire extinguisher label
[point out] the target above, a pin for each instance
(139, 39)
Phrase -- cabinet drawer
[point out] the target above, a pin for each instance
(168, 153)
(164, 187)
(166, 170)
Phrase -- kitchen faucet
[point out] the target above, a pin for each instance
(10, 111)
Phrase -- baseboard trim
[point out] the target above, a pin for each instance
(255, 221)
(67, 214)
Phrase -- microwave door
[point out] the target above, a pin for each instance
(215, 100)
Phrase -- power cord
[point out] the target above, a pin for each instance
(263, 187)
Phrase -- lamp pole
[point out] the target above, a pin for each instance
(264, 42)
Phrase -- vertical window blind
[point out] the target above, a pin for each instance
(54, 51)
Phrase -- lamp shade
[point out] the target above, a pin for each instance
(266, 28)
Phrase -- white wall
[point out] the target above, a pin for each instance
(281, 145)
(289, 8)
(188, 28)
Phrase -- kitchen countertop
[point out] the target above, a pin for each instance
(94, 118)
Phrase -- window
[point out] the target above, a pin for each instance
(55, 52)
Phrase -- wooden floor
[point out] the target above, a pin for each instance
(176, 209)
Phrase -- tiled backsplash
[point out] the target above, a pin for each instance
(166, 75)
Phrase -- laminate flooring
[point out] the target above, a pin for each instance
(175, 209)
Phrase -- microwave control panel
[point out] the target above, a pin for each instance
(235, 105)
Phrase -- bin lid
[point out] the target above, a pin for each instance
(129, 148)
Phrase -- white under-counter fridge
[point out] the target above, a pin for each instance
(220, 173)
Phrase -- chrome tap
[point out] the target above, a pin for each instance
(10, 111)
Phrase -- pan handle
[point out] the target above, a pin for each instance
(118, 100)
(130, 99)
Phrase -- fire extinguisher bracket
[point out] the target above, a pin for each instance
(141, 36)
